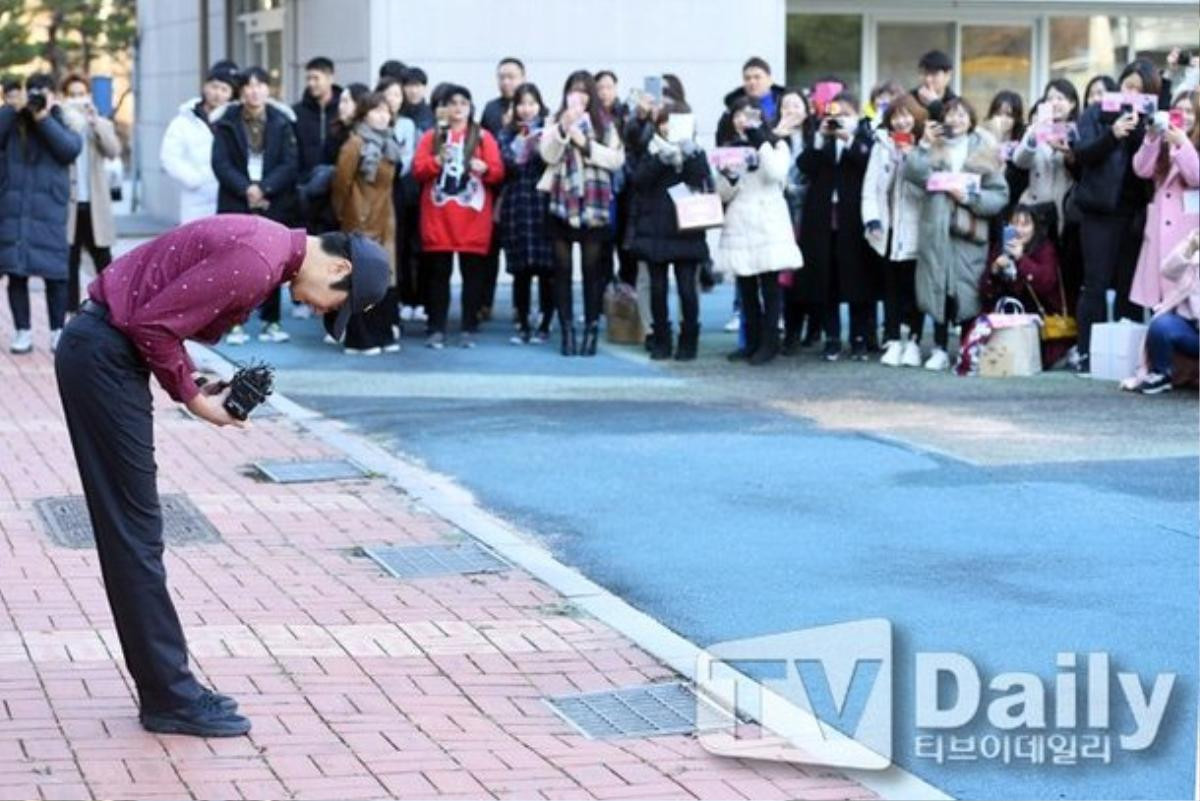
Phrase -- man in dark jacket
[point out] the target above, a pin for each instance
(256, 163)
(757, 84)
(936, 72)
(36, 152)
(315, 115)
(510, 73)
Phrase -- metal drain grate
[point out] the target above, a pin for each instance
(316, 470)
(68, 524)
(420, 561)
(648, 711)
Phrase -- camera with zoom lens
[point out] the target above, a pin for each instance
(35, 102)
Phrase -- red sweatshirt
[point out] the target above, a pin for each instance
(456, 205)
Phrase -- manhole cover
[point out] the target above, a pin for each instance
(68, 523)
(647, 711)
(316, 470)
(419, 561)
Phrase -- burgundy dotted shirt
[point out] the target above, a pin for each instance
(195, 282)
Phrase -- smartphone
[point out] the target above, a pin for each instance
(902, 138)
(1175, 118)
(1009, 235)
(575, 102)
(754, 117)
(937, 112)
(653, 86)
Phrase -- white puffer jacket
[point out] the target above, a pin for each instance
(186, 156)
(892, 201)
(757, 236)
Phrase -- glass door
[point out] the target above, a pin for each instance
(992, 58)
(258, 38)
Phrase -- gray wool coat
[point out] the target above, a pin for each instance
(948, 265)
(35, 189)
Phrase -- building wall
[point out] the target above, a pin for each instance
(336, 29)
(705, 42)
(168, 73)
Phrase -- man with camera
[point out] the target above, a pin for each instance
(36, 152)
(192, 282)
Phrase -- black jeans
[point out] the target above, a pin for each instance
(595, 274)
(760, 297)
(523, 294)
(84, 238)
(900, 300)
(685, 283)
(410, 266)
(105, 392)
(472, 267)
(18, 302)
(1110, 253)
(491, 274)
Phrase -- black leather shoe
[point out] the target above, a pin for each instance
(203, 718)
(222, 701)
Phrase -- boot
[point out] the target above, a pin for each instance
(591, 339)
(766, 351)
(660, 348)
(569, 348)
(689, 339)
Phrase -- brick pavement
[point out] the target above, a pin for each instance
(359, 685)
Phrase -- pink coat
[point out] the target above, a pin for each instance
(1166, 223)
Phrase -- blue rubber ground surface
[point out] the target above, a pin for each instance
(727, 520)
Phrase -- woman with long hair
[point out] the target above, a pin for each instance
(582, 149)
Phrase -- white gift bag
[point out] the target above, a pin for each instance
(1116, 351)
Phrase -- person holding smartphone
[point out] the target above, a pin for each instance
(1111, 199)
(90, 223)
(837, 268)
(891, 213)
(952, 237)
(757, 241)
(1168, 156)
(1025, 266)
(523, 211)
(582, 149)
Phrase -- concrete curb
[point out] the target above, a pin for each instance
(445, 498)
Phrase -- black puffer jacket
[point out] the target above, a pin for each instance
(655, 236)
(231, 154)
(1107, 183)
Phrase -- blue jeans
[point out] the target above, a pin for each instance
(1170, 333)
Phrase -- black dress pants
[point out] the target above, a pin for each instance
(104, 386)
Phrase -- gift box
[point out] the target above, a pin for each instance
(1116, 351)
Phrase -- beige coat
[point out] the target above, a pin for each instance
(102, 143)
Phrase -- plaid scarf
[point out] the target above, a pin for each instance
(581, 194)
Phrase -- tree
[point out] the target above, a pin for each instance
(15, 47)
(77, 31)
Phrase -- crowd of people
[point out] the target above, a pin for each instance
(813, 198)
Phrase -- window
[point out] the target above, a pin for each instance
(901, 45)
(257, 37)
(819, 45)
(1082, 47)
(995, 57)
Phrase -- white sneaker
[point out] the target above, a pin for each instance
(22, 341)
(272, 332)
(406, 313)
(734, 325)
(395, 347)
(236, 336)
(891, 354)
(329, 340)
(55, 335)
(911, 357)
(375, 351)
(302, 311)
(938, 360)
(418, 315)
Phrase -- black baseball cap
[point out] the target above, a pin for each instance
(225, 72)
(369, 278)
